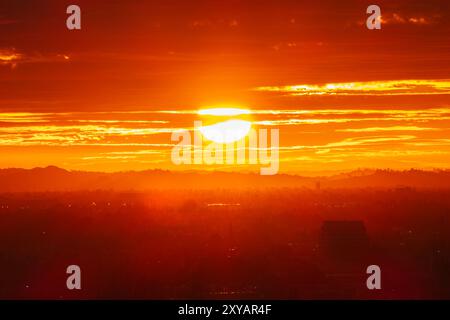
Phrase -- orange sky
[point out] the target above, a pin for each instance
(342, 96)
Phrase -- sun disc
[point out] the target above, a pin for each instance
(226, 131)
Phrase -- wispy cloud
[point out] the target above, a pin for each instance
(358, 141)
(63, 135)
(12, 57)
(393, 128)
(392, 87)
(204, 23)
(396, 18)
(330, 116)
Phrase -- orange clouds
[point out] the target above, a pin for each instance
(395, 138)
(393, 128)
(395, 18)
(208, 23)
(393, 87)
(11, 57)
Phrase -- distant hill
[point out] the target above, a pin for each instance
(56, 179)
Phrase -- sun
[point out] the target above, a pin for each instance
(226, 131)
(228, 125)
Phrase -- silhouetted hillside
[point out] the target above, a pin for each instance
(56, 179)
(389, 178)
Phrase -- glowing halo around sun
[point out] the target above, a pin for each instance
(223, 112)
(226, 131)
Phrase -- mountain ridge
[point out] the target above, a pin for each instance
(52, 178)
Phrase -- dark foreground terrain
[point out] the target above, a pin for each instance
(274, 243)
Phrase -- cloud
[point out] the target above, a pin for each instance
(395, 18)
(358, 141)
(205, 23)
(11, 57)
(391, 87)
(69, 129)
(70, 135)
(393, 128)
(351, 143)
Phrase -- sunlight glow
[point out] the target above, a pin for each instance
(223, 111)
(226, 131)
